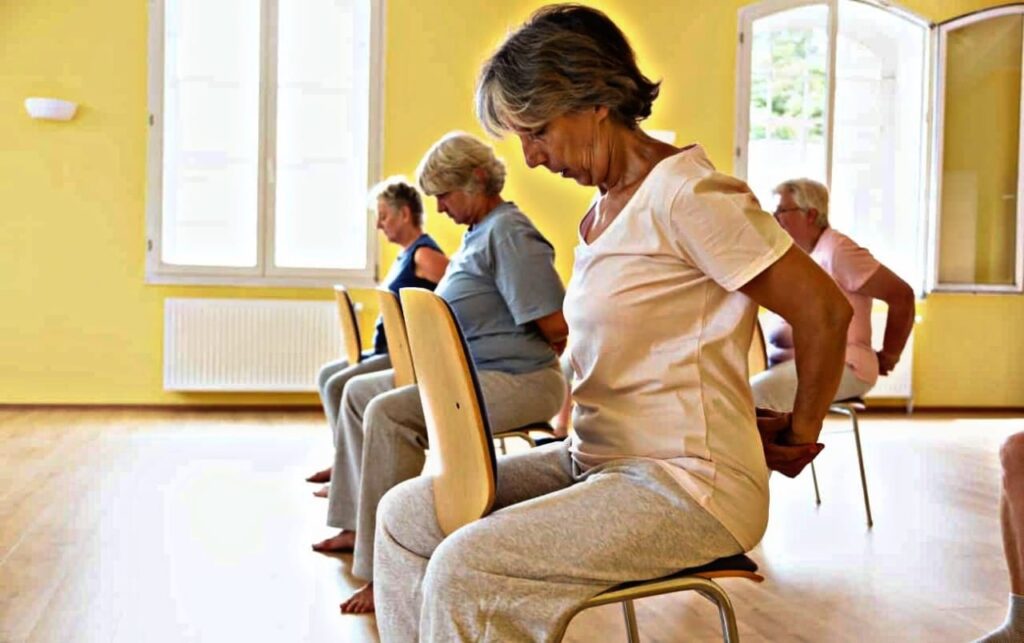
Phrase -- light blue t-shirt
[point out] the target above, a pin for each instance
(500, 280)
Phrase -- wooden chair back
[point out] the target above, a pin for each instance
(398, 339)
(464, 463)
(349, 326)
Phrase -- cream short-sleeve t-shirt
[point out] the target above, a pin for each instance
(660, 337)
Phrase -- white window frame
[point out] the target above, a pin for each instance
(938, 102)
(747, 16)
(265, 273)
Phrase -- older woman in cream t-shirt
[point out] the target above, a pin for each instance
(666, 470)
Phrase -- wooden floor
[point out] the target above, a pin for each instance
(160, 526)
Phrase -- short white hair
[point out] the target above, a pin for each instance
(807, 194)
(451, 164)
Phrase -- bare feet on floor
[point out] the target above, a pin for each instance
(343, 542)
(320, 476)
(322, 491)
(359, 603)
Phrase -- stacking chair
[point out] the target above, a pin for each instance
(464, 462)
(402, 362)
(349, 327)
(757, 361)
(464, 485)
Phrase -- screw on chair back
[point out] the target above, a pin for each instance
(464, 463)
(349, 326)
(398, 339)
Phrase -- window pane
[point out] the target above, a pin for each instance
(322, 118)
(788, 99)
(211, 132)
(981, 128)
(878, 136)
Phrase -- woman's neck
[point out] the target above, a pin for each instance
(409, 238)
(631, 157)
(487, 206)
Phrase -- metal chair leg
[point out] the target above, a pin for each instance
(814, 477)
(632, 632)
(726, 613)
(860, 463)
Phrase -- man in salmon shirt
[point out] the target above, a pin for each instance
(803, 212)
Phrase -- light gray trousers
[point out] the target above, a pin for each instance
(775, 388)
(555, 539)
(382, 438)
(333, 377)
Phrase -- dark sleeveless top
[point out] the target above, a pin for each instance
(403, 275)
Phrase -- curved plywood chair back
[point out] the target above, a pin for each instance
(349, 326)
(398, 340)
(460, 443)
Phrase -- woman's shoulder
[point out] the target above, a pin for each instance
(509, 219)
(684, 173)
(426, 241)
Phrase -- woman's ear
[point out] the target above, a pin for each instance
(480, 175)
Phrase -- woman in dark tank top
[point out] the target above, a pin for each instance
(420, 264)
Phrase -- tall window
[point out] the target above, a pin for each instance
(838, 90)
(835, 91)
(263, 141)
(979, 238)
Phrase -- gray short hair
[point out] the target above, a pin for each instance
(807, 194)
(397, 191)
(450, 164)
(565, 58)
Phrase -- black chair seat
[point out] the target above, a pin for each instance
(737, 563)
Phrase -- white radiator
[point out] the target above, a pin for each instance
(898, 383)
(247, 344)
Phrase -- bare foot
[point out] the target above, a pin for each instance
(343, 542)
(320, 476)
(359, 603)
(322, 491)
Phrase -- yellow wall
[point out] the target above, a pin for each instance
(79, 325)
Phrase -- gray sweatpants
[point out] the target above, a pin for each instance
(382, 438)
(555, 539)
(775, 388)
(331, 380)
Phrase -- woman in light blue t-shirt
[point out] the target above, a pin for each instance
(502, 286)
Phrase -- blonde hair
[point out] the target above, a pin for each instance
(807, 194)
(452, 162)
(564, 59)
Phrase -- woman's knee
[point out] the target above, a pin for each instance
(356, 396)
(406, 515)
(378, 418)
(449, 572)
(394, 415)
(334, 386)
(1012, 456)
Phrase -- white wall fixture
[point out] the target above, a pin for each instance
(51, 109)
(663, 135)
